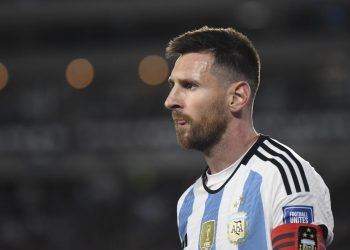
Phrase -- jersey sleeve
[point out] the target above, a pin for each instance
(310, 205)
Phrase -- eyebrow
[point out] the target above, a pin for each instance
(181, 81)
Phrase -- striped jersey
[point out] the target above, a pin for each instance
(268, 186)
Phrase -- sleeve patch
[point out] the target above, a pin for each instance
(298, 214)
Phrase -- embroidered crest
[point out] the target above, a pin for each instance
(238, 228)
(207, 235)
(307, 238)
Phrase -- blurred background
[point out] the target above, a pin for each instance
(88, 154)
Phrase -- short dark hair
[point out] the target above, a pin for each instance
(232, 51)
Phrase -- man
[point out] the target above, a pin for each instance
(256, 193)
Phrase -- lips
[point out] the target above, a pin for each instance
(180, 119)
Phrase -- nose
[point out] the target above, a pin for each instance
(172, 101)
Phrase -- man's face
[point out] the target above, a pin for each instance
(198, 102)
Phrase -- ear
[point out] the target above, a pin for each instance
(238, 96)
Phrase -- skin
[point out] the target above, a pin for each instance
(210, 116)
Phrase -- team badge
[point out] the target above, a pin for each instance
(207, 235)
(238, 228)
(307, 238)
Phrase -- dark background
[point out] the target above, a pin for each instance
(99, 168)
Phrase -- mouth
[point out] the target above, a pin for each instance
(180, 120)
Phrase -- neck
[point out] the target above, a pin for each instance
(234, 143)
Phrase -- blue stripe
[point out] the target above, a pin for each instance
(252, 205)
(185, 212)
(211, 211)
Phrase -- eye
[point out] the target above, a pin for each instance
(188, 85)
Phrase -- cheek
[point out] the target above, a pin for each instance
(209, 111)
(195, 105)
(204, 103)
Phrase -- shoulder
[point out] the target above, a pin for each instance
(272, 150)
(279, 163)
(188, 195)
(290, 183)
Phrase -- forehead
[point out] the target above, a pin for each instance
(192, 64)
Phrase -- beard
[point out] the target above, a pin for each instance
(204, 133)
